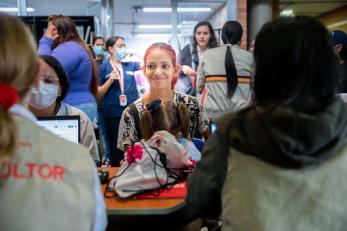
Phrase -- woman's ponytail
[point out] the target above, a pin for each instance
(7, 135)
(146, 125)
(231, 72)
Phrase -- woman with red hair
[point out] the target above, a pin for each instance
(161, 70)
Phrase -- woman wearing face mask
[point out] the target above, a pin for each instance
(101, 56)
(188, 58)
(46, 100)
(117, 86)
(99, 50)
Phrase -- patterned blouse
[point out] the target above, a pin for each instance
(198, 119)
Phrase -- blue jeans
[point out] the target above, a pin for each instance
(90, 109)
(102, 130)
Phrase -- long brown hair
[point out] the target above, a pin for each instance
(166, 115)
(67, 32)
(18, 68)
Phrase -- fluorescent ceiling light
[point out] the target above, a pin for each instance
(287, 13)
(155, 35)
(337, 24)
(158, 26)
(14, 9)
(203, 9)
(168, 9)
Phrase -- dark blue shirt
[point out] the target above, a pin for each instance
(112, 109)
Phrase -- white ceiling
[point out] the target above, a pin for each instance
(125, 18)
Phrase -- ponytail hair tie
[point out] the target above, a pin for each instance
(153, 106)
(8, 95)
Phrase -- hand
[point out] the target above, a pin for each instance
(51, 31)
(187, 70)
(114, 75)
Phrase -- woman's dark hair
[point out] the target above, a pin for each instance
(295, 64)
(211, 44)
(231, 34)
(97, 38)
(112, 40)
(67, 32)
(59, 70)
(169, 116)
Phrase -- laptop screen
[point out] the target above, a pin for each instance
(67, 127)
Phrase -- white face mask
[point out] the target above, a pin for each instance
(44, 96)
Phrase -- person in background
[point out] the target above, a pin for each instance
(203, 39)
(41, 176)
(101, 56)
(161, 71)
(224, 74)
(340, 44)
(271, 163)
(47, 99)
(62, 41)
(117, 89)
(99, 49)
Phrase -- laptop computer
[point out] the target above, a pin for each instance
(66, 127)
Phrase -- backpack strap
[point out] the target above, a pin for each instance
(135, 114)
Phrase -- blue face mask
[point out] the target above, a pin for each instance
(98, 50)
(121, 53)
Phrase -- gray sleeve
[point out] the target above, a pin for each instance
(88, 138)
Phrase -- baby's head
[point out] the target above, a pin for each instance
(165, 115)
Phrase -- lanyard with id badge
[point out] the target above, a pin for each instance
(122, 97)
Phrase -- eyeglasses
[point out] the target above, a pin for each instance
(50, 80)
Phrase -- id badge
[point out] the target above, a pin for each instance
(123, 100)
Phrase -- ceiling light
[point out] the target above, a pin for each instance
(14, 9)
(161, 26)
(287, 13)
(203, 9)
(168, 9)
(154, 35)
(155, 10)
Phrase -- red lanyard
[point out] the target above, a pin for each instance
(120, 74)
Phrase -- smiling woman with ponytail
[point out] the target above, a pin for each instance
(224, 74)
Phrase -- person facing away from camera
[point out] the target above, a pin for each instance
(46, 183)
(168, 116)
(280, 164)
(225, 72)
